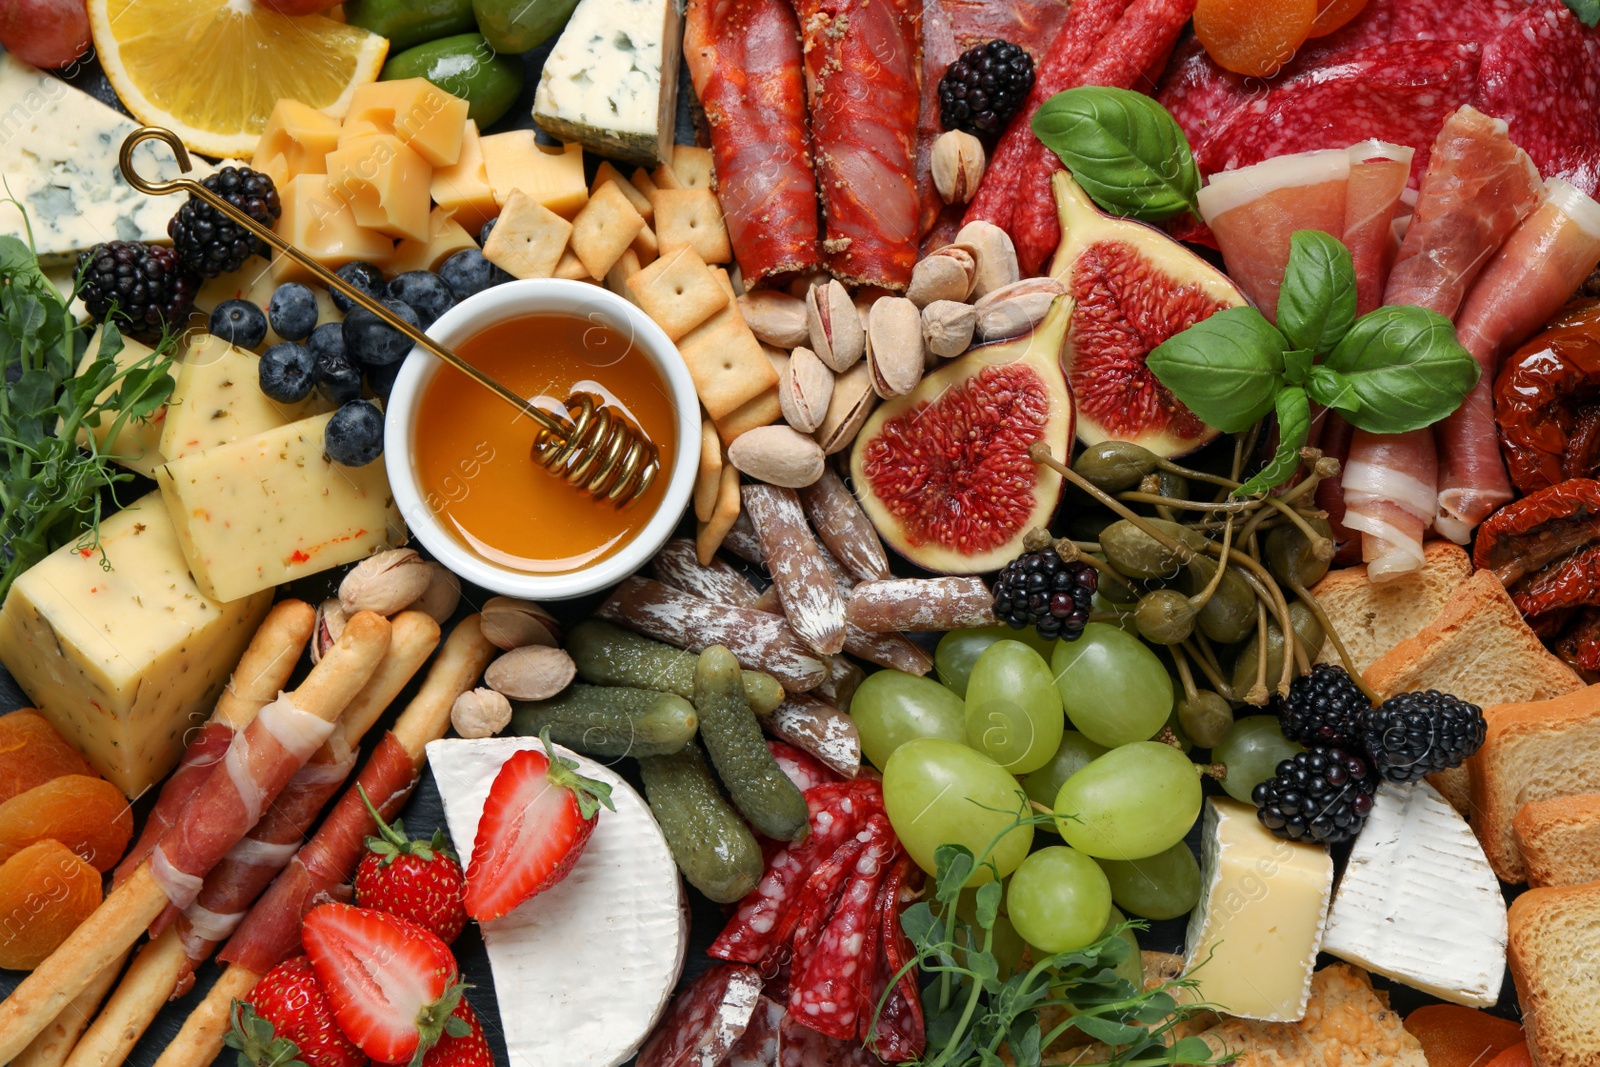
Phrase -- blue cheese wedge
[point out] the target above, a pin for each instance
(617, 920)
(611, 83)
(58, 152)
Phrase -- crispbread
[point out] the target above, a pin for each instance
(1555, 961)
(1560, 839)
(1373, 618)
(1532, 751)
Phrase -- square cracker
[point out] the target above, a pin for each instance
(763, 410)
(679, 292)
(569, 266)
(692, 218)
(726, 361)
(636, 197)
(528, 239)
(691, 166)
(646, 247)
(623, 269)
(604, 229)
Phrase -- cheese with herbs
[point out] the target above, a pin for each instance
(217, 400)
(123, 662)
(137, 445)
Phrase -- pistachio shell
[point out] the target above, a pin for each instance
(996, 255)
(385, 582)
(1017, 308)
(957, 163)
(834, 326)
(534, 672)
(331, 618)
(853, 400)
(509, 623)
(947, 274)
(777, 455)
(776, 318)
(804, 388)
(947, 327)
(480, 713)
(894, 353)
(440, 599)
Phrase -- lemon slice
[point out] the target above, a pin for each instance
(212, 70)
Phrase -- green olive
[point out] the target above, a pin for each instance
(1136, 554)
(1164, 617)
(1290, 557)
(1115, 465)
(1306, 628)
(1206, 718)
(1230, 615)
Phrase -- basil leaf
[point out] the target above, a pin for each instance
(1317, 303)
(1226, 369)
(1588, 11)
(1331, 389)
(1294, 424)
(1297, 365)
(1126, 151)
(1403, 369)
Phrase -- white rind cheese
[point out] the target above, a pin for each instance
(1418, 901)
(584, 970)
(603, 84)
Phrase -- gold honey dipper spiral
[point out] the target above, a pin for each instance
(593, 448)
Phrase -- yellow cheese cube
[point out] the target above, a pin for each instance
(296, 141)
(428, 119)
(322, 225)
(445, 239)
(217, 400)
(385, 184)
(270, 509)
(463, 188)
(138, 443)
(552, 177)
(123, 662)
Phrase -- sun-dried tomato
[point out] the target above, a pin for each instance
(1580, 644)
(1545, 548)
(1547, 402)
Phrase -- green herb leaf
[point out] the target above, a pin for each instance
(955, 865)
(1588, 11)
(1123, 148)
(988, 904)
(1399, 369)
(1297, 365)
(1317, 302)
(1294, 425)
(1226, 368)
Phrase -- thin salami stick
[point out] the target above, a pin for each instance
(819, 729)
(705, 1020)
(806, 586)
(840, 523)
(915, 604)
(215, 819)
(742, 541)
(678, 566)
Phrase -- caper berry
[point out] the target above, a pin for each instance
(1290, 556)
(1172, 486)
(1135, 554)
(1230, 615)
(1306, 628)
(1165, 617)
(1115, 465)
(1206, 718)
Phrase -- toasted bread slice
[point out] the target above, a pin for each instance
(1560, 839)
(1555, 940)
(1534, 751)
(1372, 618)
(1478, 648)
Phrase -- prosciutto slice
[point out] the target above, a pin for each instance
(1332, 436)
(1390, 495)
(204, 752)
(1533, 274)
(1378, 173)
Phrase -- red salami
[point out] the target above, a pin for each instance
(1464, 20)
(898, 1034)
(803, 769)
(705, 1020)
(814, 907)
(801, 1046)
(758, 1045)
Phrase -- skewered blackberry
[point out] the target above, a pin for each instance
(208, 242)
(142, 282)
(1412, 735)
(1045, 591)
(1322, 795)
(1325, 707)
(984, 87)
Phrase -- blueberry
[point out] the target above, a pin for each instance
(467, 272)
(354, 436)
(338, 379)
(425, 291)
(364, 276)
(327, 342)
(288, 372)
(293, 311)
(239, 322)
(372, 342)
(483, 234)
(381, 379)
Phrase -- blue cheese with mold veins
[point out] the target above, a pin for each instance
(611, 82)
(58, 152)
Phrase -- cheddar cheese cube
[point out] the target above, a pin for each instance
(297, 141)
(463, 187)
(552, 177)
(217, 399)
(427, 119)
(385, 183)
(321, 224)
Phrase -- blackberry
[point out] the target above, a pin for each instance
(983, 88)
(142, 281)
(209, 243)
(1043, 590)
(1412, 735)
(1325, 707)
(1322, 795)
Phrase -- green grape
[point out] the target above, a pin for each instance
(1103, 605)
(1074, 753)
(892, 707)
(1252, 753)
(938, 792)
(1113, 687)
(1163, 886)
(1130, 970)
(1013, 707)
(959, 649)
(1059, 900)
(1132, 802)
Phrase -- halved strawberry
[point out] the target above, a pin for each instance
(392, 984)
(536, 820)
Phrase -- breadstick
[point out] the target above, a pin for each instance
(136, 1001)
(52, 1047)
(459, 666)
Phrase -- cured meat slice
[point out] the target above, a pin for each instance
(1254, 210)
(1390, 495)
(897, 1034)
(1467, 20)
(806, 587)
(705, 1020)
(1378, 173)
(744, 59)
(202, 755)
(758, 1045)
(821, 893)
(1478, 186)
(803, 769)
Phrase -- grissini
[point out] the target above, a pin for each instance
(55, 1043)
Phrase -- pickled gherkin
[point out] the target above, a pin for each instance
(607, 654)
(713, 847)
(732, 736)
(610, 720)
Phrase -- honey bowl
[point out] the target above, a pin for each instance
(459, 457)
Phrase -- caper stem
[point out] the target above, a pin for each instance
(1258, 691)
(1212, 672)
(1201, 599)
(1315, 607)
(1232, 507)
(1039, 452)
(1321, 547)
(1197, 476)
(1321, 467)
(1185, 675)
(1264, 584)
(1080, 556)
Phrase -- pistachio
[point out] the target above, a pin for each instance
(776, 318)
(442, 596)
(804, 388)
(533, 672)
(853, 400)
(777, 455)
(947, 327)
(996, 256)
(331, 618)
(480, 713)
(894, 354)
(804, 284)
(957, 165)
(777, 357)
(385, 582)
(947, 274)
(835, 326)
(1017, 308)
(509, 623)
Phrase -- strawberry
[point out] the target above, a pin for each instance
(420, 881)
(288, 1017)
(393, 985)
(467, 1050)
(536, 820)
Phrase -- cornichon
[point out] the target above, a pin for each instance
(464, 66)
(713, 847)
(758, 786)
(518, 25)
(411, 22)
(605, 720)
(607, 654)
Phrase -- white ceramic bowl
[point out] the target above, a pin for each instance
(509, 301)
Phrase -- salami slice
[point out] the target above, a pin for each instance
(897, 1035)
(814, 906)
(801, 1046)
(705, 1020)
(1465, 20)
(758, 1045)
(803, 769)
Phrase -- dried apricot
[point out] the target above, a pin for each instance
(32, 753)
(88, 815)
(1333, 14)
(1455, 1036)
(45, 892)
(1516, 1056)
(1253, 37)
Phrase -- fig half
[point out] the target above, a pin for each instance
(1134, 287)
(944, 473)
